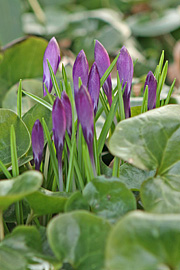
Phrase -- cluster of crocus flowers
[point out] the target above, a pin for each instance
(86, 94)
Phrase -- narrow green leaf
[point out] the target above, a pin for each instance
(38, 99)
(54, 81)
(107, 124)
(160, 84)
(144, 106)
(159, 66)
(170, 92)
(14, 159)
(120, 98)
(5, 170)
(116, 166)
(51, 150)
(48, 95)
(65, 78)
(19, 99)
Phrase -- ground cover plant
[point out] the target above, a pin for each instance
(62, 206)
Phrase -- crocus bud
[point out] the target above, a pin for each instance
(94, 86)
(125, 70)
(152, 86)
(37, 138)
(52, 54)
(68, 112)
(103, 62)
(80, 69)
(59, 129)
(85, 115)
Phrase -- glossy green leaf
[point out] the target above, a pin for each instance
(21, 60)
(148, 141)
(161, 194)
(32, 86)
(8, 118)
(133, 177)
(27, 242)
(80, 239)
(46, 202)
(11, 258)
(76, 202)
(109, 198)
(17, 188)
(145, 242)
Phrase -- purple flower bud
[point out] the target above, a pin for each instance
(52, 53)
(85, 115)
(125, 70)
(152, 85)
(59, 129)
(37, 138)
(94, 86)
(68, 112)
(103, 62)
(59, 124)
(80, 69)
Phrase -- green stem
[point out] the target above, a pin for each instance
(1, 226)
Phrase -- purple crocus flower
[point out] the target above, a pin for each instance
(52, 53)
(68, 112)
(94, 86)
(59, 129)
(152, 86)
(85, 115)
(103, 62)
(125, 70)
(37, 138)
(80, 69)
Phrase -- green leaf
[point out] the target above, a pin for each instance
(11, 257)
(161, 194)
(17, 188)
(135, 110)
(30, 85)
(45, 202)
(76, 202)
(8, 118)
(10, 18)
(133, 177)
(144, 241)
(22, 60)
(151, 145)
(27, 242)
(80, 239)
(142, 25)
(109, 198)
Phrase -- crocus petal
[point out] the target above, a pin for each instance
(125, 70)
(85, 113)
(52, 53)
(37, 138)
(80, 69)
(103, 62)
(68, 112)
(59, 124)
(152, 85)
(94, 86)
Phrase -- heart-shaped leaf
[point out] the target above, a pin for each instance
(45, 202)
(80, 239)
(76, 202)
(17, 188)
(23, 141)
(145, 242)
(109, 198)
(148, 140)
(21, 60)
